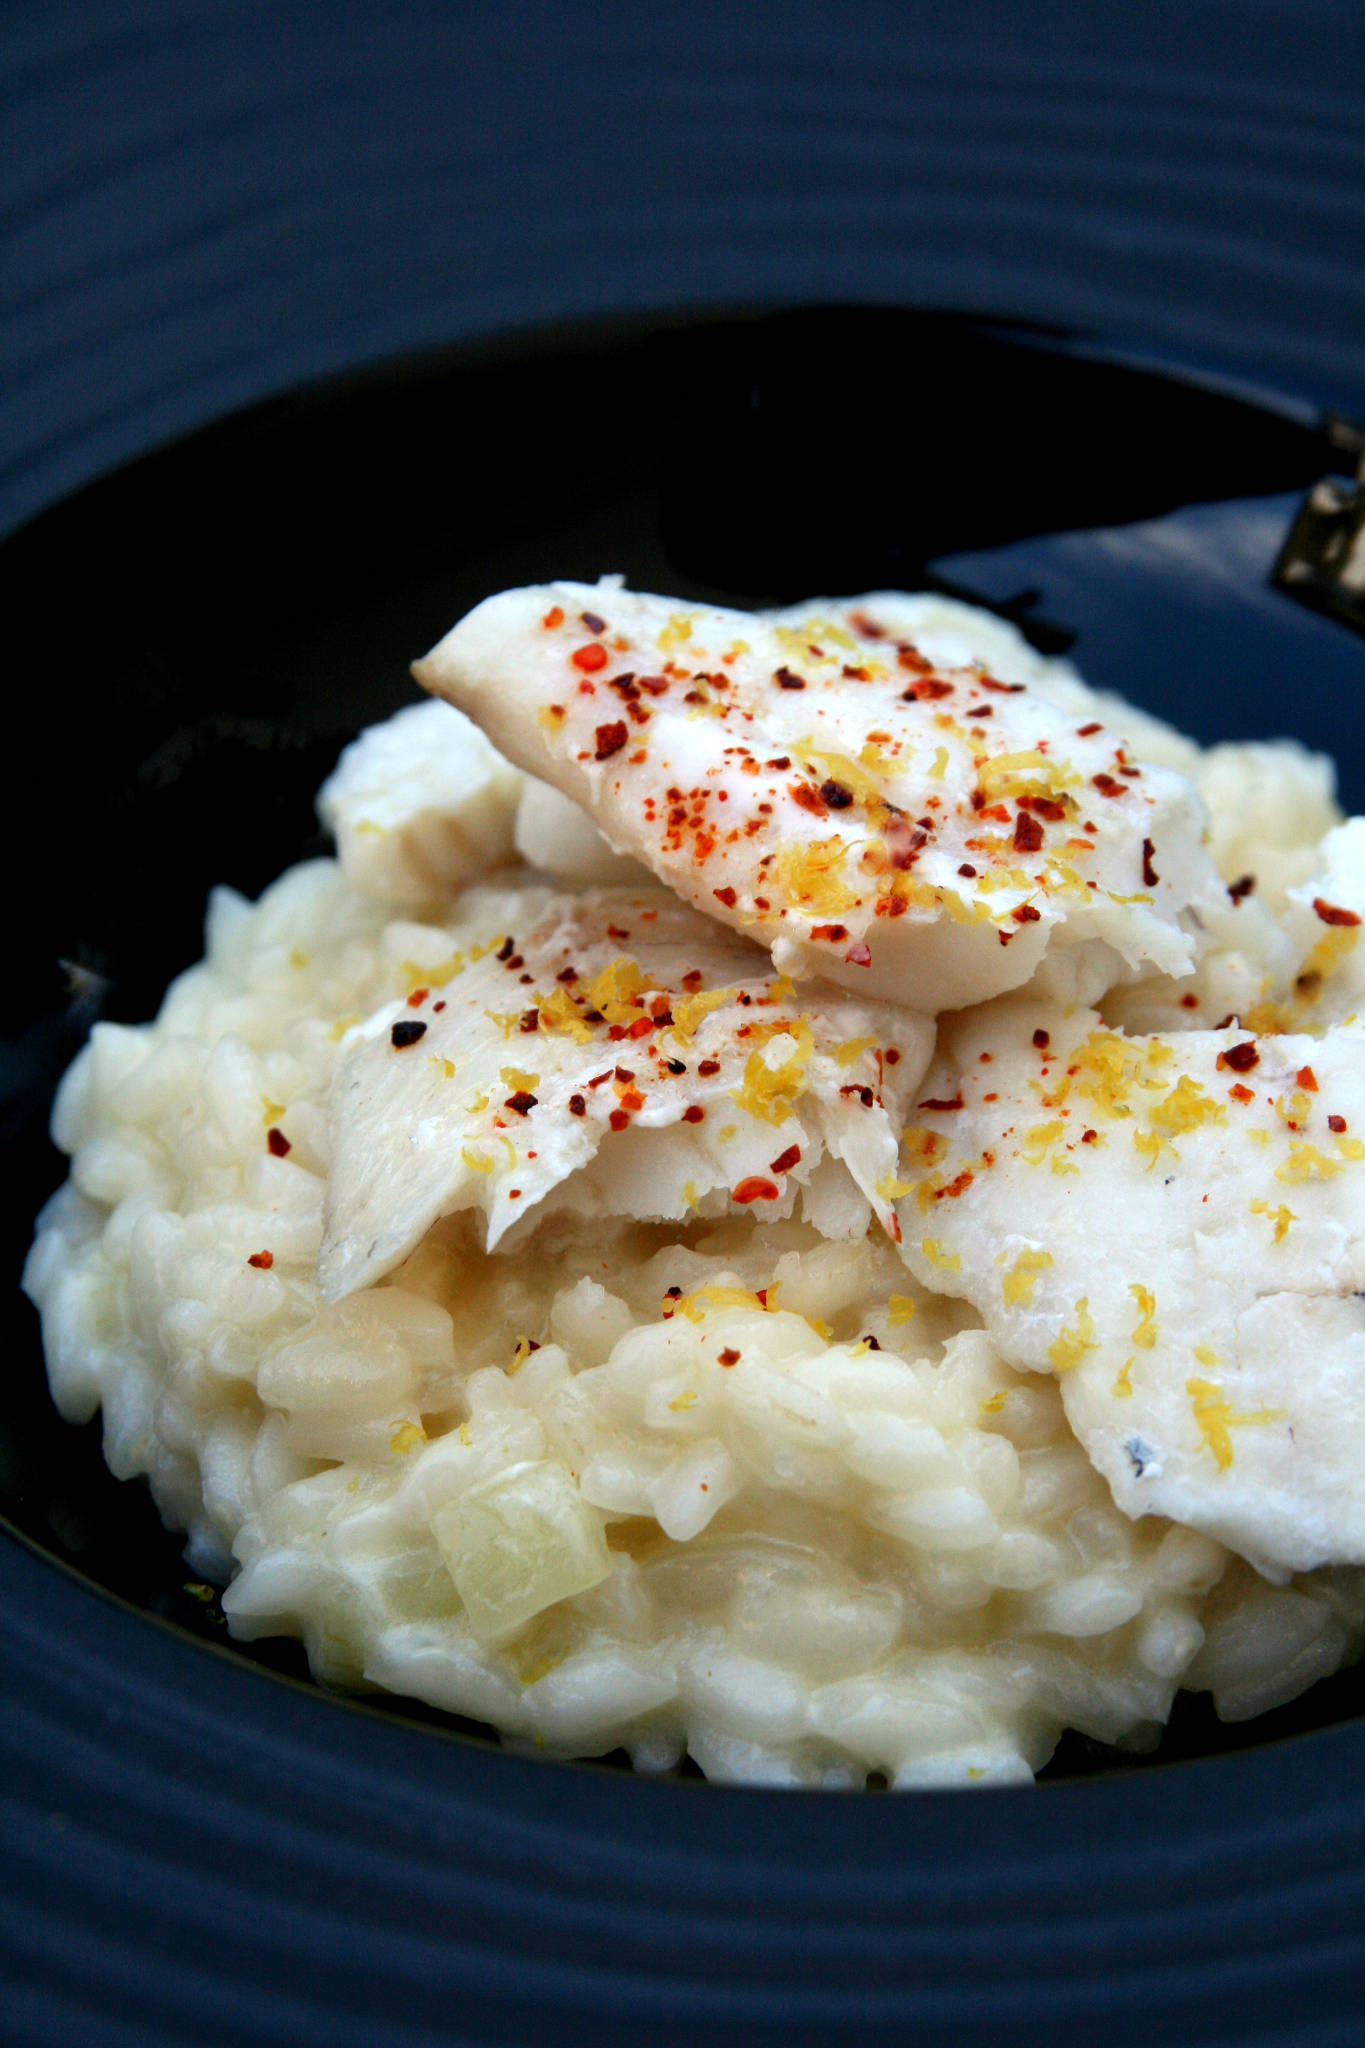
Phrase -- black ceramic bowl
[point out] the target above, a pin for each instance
(196, 637)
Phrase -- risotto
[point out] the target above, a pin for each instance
(563, 1304)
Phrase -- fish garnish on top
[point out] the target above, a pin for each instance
(924, 835)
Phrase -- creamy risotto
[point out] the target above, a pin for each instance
(558, 1260)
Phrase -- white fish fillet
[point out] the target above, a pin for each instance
(628, 1058)
(1176, 1227)
(920, 835)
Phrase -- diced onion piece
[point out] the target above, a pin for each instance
(519, 1542)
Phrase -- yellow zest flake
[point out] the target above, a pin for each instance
(946, 1262)
(1351, 1148)
(1186, 1108)
(1150, 1145)
(551, 716)
(519, 1083)
(727, 1132)
(444, 971)
(519, 1357)
(1107, 1068)
(852, 1050)
(1123, 1385)
(1213, 1413)
(1144, 1330)
(477, 1106)
(1019, 1283)
(1072, 1345)
(447, 1066)
(783, 990)
(463, 1433)
(298, 959)
(767, 1091)
(995, 1403)
(1258, 1134)
(613, 989)
(925, 1147)
(688, 1013)
(479, 1161)
(1141, 896)
(559, 1012)
(1281, 1217)
(694, 1306)
(406, 1437)
(271, 1112)
(1206, 1355)
(900, 1308)
(368, 828)
(676, 633)
(1305, 1162)
(808, 873)
(1025, 774)
(689, 1194)
(1038, 1141)
(838, 768)
(506, 1020)
(939, 766)
(343, 1025)
(684, 1402)
(890, 1189)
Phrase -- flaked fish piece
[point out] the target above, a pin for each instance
(420, 806)
(623, 1057)
(1175, 1226)
(919, 834)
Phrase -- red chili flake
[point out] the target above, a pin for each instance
(631, 1099)
(406, 1032)
(1149, 873)
(1334, 1123)
(729, 1356)
(911, 658)
(514, 1194)
(1048, 807)
(785, 1161)
(417, 998)
(626, 1074)
(277, 1142)
(861, 1090)
(893, 1058)
(930, 689)
(832, 932)
(725, 896)
(618, 1119)
(590, 658)
(641, 1028)
(709, 1067)
(1088, 1137)
(808, 798)
(265, 1260)
(521, 1102)
(592, 622)
(854, 675)
(1331, 913)
(657, 686)
(859, 955)
(1005, 689)
(553, 617)
(693, 1114)
(836, 795)
(1239, 1093)
(1243, 886)
(1306, 1078)
(1107, 785)
(1240, 1058)
(506, 949)
(1083, 732)
(577, 1106)
(1189, 1002)
(941, 1102)
(967, 869)
(1042, 1038)
(530, 1020)
(439, 1006)
(785, 680)
(754, 1189)
(1026, 914)
(1028, 833)
(611, 738)
(980, 711)
(955, 1187)
(567, 974)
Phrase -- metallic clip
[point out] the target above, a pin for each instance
(1322, 562)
